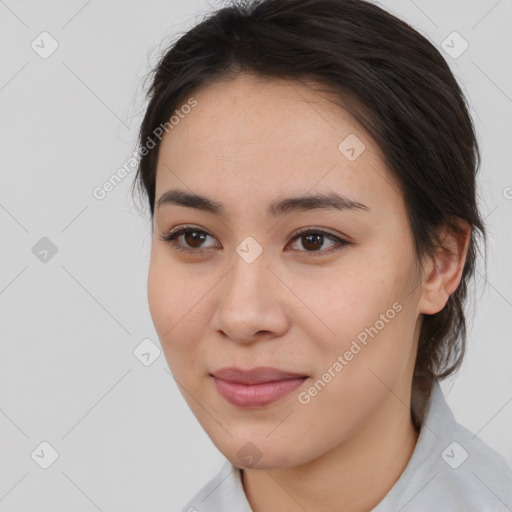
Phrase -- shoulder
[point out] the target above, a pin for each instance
(471, 468)
(450, 469)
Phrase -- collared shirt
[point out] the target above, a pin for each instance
(450, 470)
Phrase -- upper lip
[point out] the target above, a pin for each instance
(254, 375)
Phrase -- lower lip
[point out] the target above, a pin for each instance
(256, 395)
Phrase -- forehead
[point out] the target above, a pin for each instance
(253, 138)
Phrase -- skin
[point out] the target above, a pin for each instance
(249, 142)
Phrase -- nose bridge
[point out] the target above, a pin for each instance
(247, 276)
(247, 304)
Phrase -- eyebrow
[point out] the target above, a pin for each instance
(278, 208)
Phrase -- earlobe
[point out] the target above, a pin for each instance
(443, 273)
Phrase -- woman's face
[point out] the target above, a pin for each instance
(339, 307)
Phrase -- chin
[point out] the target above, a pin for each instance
(246, 454)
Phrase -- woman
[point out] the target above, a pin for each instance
(310, 170)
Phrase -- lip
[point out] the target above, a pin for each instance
(255, 387)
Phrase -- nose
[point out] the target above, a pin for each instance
(251, 302)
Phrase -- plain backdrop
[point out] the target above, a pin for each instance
(73, 303)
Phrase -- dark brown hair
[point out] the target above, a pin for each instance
(392, 80)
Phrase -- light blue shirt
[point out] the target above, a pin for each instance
(450, 470)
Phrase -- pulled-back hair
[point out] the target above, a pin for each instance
(392, 80)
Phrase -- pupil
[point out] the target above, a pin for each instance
(313, 239)
(194, 237)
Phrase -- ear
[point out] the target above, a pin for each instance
(442, 273)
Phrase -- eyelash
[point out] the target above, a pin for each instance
(171, 237)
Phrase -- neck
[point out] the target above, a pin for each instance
(353, 477)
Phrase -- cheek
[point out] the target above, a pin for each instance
(181, 303)
(342, 303)
(353, 377)
(175, 309)
(366, 315)
(174, 292)
(162, 295)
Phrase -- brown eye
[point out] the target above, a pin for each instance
(193, 239)
(312, 241)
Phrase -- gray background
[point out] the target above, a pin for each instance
(69, 325)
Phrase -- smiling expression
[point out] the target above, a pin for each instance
(274, 247)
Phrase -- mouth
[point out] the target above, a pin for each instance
(255, 387)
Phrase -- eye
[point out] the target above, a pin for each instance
(193, 238)
(312, 240)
